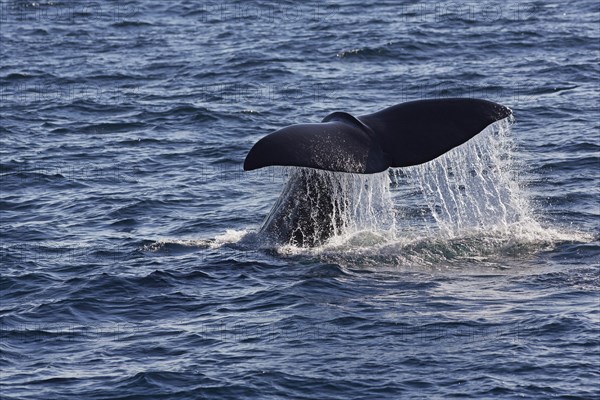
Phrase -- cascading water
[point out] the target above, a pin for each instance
(316, 205)
(472, 188)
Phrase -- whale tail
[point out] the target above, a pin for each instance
(399, 136)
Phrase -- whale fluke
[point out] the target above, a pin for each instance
(399, 136)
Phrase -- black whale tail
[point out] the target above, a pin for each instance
(399, 136)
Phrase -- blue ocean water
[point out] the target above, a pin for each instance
(131, 266)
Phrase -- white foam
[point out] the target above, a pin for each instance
(230, 236)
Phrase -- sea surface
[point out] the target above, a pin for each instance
(131, 262)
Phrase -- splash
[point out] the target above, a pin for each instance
(471, 189)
